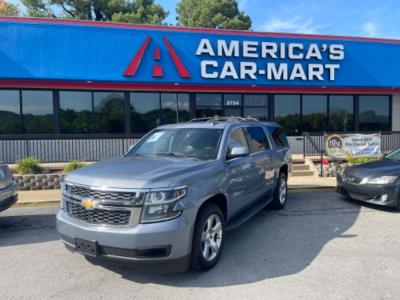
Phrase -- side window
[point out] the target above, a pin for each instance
(278, 135)
(237, 138)
(257, 138)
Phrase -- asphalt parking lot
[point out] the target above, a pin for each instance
(321, 246)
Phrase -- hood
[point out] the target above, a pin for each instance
(375, 168)
(135, 172)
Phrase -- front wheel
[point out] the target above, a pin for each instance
(280, 193)
(208, 238)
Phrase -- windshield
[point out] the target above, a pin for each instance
(394, 155)
(197, 143)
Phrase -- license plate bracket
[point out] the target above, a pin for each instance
(86, 247)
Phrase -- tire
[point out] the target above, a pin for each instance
(209, 216)
(279, 199)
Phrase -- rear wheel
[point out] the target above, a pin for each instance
(280, 193)
(208, 238)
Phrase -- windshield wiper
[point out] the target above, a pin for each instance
(134, 154)
(174, 154)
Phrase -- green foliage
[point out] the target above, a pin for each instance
(360, 160)
(146, 12)
(8, 9)
(130, 11)
(29, 165)
(73, 165)
(223, 14)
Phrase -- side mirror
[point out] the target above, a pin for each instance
(238, 152)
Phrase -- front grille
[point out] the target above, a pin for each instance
(86, 192)
(99, 216)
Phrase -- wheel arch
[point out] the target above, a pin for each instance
(285, 170)
(219, 200)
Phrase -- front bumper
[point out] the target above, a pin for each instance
(164, 241)
(8, 196)
(385, 195)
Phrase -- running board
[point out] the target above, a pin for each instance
(246, 215)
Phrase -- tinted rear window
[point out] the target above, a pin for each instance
(257, 139)
(278, 135)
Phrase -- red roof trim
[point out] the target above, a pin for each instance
(185, 29)
(58, 84)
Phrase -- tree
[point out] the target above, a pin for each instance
(128, 11)
(223, 14)
(8, 9)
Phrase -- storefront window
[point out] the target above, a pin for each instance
(208, 105)
(9, 112)
(341, 113)
(170, 102)
(109, 112)
(256, 106)
(287, 113)
(374, 113)
(144, 112)
(232, 105)
(37, 109)
(314, 112)
(75, 112)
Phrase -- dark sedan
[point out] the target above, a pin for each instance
(376, 182)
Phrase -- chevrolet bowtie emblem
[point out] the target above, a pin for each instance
(88, 203)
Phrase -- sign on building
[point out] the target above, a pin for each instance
(356, 145)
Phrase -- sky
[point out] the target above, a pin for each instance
(368, 18)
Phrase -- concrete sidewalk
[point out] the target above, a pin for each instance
(311, 182)
(37, 198)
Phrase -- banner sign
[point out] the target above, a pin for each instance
(123, 53)
(356, 145)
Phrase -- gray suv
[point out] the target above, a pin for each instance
(174, 195)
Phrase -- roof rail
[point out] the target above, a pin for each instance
(221, 119)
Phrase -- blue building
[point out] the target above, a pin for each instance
(65, 77)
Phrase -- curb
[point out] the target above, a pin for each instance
(36, 203)
(300, 189)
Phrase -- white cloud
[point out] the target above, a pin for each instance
(295, 25)
(370, 29)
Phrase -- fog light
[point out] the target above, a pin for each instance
(384, 197)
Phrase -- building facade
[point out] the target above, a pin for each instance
(60, 77)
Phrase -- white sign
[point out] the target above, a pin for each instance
(311, 62)
(356, 145)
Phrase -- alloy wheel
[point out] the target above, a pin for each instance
(211, 237)
(282, 191)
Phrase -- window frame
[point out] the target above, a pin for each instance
(19, 109)
(267, 106)
(357, 111)
(354, 112)
(55, 120)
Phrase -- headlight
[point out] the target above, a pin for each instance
(379, 180)
(162, 205)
